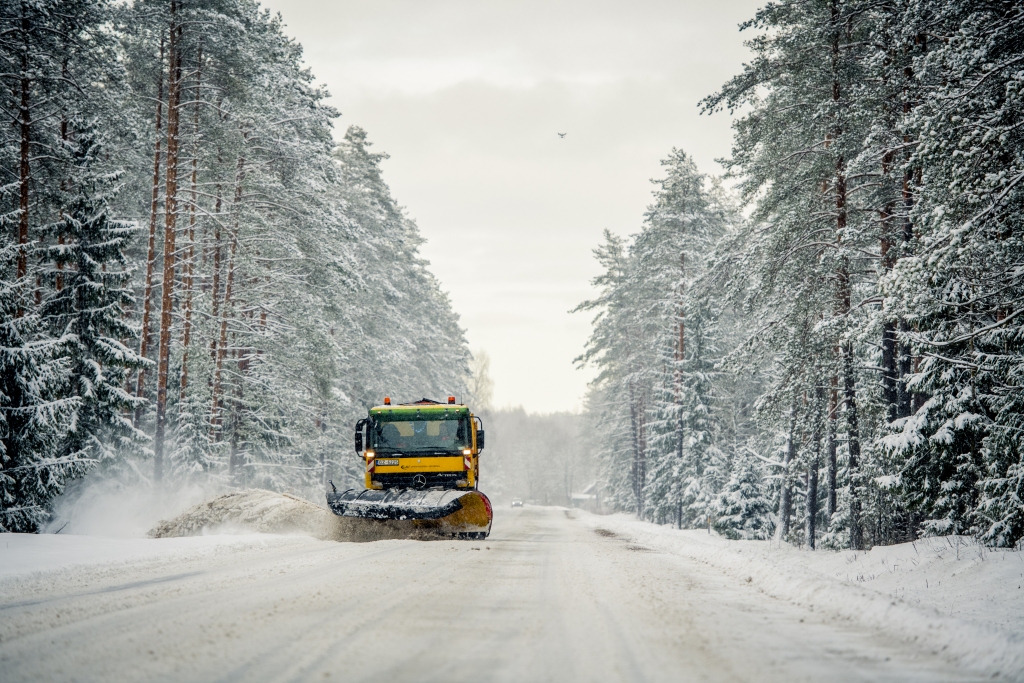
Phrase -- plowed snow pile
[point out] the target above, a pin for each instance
(276, 513)
(260, 511)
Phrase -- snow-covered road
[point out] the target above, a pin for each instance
(548, 597)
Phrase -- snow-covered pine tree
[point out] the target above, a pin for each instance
(803, 255)
(654, 342)
(410, 329)
(670, 258)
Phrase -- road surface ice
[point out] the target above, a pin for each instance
(551, 596)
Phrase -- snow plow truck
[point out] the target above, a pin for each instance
(422, 471)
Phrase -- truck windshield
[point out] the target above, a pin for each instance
(419, 436)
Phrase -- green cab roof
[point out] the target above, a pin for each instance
(405, 413)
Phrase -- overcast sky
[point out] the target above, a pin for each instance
(467, 97)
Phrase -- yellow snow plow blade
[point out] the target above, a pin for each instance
(441, 512)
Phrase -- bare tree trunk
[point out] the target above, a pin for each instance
(906, 362)
(190, 264)
(244, 356)
(849, 381)
(216, 260)
(890, 372)
(63, 182)
(147, 299)
(811, 500)
(642, 462)
(225, 308)
(233, 457)
(680, 356)
(830, 446)
(811, 505)
(170, 229)
(222, 344)
(639, 466)
(634, 442)
(786, 493)
(853, 464)
(844, 301)
(24, 154)
(237, 455)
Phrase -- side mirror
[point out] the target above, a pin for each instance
(359, 435)
(480, 439)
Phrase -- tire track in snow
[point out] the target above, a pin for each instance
(268, 668)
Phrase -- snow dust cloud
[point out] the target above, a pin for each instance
(109, 506)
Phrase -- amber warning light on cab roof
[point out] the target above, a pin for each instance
(387, 400)
(451, 400)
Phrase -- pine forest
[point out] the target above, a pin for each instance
(198, 284)
(825, 346)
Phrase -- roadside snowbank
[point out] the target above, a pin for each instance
(949, 593)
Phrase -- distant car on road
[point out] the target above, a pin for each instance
(517, 503)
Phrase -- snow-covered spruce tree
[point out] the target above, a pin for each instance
(613, 399)
(743, 509)
(34, 415)
(52, 52)
(58, 69)
(962, 292)
(86, 314)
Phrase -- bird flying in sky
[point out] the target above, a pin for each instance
(561, 135)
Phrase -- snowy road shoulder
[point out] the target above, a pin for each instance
(25, 555)
(947, 594)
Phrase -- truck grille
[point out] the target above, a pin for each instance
(405, 480)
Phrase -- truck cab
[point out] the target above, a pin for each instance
(420, 445)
